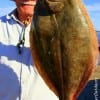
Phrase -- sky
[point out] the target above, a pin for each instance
(93, 8)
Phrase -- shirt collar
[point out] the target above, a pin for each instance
(12, 16)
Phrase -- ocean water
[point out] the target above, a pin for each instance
(98, 36)
(91, 91)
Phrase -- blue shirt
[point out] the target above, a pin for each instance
(19, 80)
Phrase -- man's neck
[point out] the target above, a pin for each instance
(25, 19)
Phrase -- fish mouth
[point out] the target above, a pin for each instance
(31, 3)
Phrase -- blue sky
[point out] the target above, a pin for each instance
(93, 7)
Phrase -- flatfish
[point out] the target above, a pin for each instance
(64, 46)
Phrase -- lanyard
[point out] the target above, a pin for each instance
(20, 44)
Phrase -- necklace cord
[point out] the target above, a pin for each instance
(20, 44)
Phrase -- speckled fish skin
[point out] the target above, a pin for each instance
(64, 46)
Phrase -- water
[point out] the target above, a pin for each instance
(91, 91)
(98, 36)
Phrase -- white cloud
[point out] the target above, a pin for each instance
(93, 7)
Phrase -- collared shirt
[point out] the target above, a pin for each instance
(19, 79)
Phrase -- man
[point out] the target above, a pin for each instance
(19, 80)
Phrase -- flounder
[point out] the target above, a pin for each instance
(64, 46)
